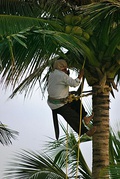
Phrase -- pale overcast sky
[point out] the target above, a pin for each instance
(32, 119)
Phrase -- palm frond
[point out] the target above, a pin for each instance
(57, 150)
(48, 45)
(28, 164)
(40, 38)
(13, 24)
(6, 135)
(105, 20)
(33, 8)
(114, 145)
(114, 43)
(49, 9)
(34, 165)
(19, 7)
(31, 34)
(114, 150)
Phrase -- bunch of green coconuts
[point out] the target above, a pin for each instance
(73, 25)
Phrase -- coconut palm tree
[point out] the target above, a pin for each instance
(32, 37)
(108, 57)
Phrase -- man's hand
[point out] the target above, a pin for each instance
(81, 74)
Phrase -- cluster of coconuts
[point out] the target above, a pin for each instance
(72, 25)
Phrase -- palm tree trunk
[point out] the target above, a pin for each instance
(101, 137)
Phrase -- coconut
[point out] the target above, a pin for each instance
(86, 35)
(68, 19)
(77, 30)
(76, 20)
(68, 29)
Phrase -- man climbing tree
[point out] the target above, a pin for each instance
(58, 91)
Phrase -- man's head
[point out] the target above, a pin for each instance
(60, 64)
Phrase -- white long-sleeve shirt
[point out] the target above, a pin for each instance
(58, 86)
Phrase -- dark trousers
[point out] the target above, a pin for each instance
(71, 113)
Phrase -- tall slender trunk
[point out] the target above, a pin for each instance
(101, 137)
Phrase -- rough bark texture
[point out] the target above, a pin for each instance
(101, 137)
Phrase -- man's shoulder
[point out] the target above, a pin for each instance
(59, 72)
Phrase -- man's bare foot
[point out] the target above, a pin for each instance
(91, 132)
(88, 119)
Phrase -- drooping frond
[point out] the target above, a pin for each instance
(34, 165)
(33, 41)
(58, 150)
(103, 22)
(31, 36)
(51, 163)
(114, 142)
(42, 46)
(6, 135)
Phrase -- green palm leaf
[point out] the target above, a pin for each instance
(34, 165)
(28, 164)
(105, 20)
(13, 24)
(58, 151)
(32, 38)
(48, 45)
(32, 8)
(114, 146)
(6, 135)
(114, 42)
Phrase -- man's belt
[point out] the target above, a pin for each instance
(57, 101)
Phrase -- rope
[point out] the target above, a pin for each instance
(82, 84)
(67, 152)
(78, 154)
